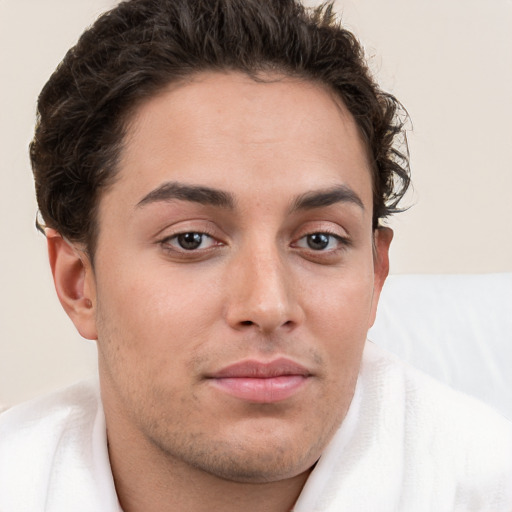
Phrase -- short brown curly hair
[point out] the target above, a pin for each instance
(140, 46)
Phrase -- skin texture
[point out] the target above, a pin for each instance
(168, 318)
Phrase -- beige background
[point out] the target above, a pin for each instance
(450, 63)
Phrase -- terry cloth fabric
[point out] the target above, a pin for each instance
(407, 444)
(53, 454)
(456, 328)
(411, 444)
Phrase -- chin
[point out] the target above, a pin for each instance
(256, 468)
(244, 459)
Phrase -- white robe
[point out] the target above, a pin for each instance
(407, 444)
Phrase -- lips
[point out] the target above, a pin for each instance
(261, 382)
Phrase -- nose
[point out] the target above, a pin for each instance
(262, 293)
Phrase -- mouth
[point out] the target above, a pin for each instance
(261, 382)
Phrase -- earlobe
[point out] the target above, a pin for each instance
(382, 241)
(74, 282)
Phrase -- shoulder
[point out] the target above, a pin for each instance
(446, 434)
(409, 443)
(425, 396)
(73, 407)
(50, 447)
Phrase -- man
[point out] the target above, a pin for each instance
(212, 177)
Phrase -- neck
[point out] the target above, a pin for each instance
(147, 480)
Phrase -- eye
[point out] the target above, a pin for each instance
(319, 241)
(190, 241)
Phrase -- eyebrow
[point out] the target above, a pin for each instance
(327, 197)
(195, 193)
(170, 191)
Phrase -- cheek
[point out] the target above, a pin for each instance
(151, 319)
(156, 293)
(342, 307)
(339, 319)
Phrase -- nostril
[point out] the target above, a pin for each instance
(247, 322)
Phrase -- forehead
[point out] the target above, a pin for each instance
(226, 130)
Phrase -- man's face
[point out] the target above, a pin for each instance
(234, 278)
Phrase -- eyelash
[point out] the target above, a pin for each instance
(167, 244)
(327, 256)
(343, 242)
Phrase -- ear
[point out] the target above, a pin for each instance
(381, 241)
(74, 282)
